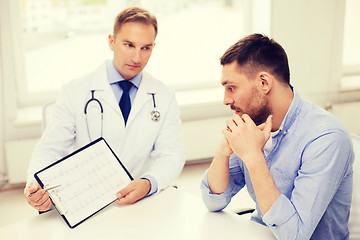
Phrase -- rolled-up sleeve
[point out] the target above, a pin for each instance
(281, 214)
(217, 202)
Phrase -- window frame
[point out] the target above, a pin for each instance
(22, 105)
(348, 70)
(27, 99)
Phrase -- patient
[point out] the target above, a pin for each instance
(294, 157)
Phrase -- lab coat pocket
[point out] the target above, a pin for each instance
(145, 134)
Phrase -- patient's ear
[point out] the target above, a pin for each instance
(266, 81)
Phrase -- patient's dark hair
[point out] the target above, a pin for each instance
(257, 52)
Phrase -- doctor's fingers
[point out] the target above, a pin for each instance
(32, 188)
(129, 198)
(43, 206)
(124, 195)
(121, 201)
(39, 198)
(126, 190)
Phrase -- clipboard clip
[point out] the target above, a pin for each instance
(58, 204)
(56, 200)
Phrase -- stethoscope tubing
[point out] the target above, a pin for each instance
(154, 114)
(101, 111)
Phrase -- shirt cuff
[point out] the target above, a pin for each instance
(215, 202)
(226, 193)
(279, 213)
(153, 183)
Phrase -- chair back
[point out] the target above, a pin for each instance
(354, 221)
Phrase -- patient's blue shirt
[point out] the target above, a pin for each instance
(311, 163)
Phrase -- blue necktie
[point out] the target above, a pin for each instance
(125, 103)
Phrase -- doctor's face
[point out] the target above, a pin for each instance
(244, 95)
(132, 47)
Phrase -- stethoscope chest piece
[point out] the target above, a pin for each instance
(155, 115)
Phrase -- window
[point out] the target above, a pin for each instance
(351, 53)
(64, 39)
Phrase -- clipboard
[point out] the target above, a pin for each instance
(87, 181)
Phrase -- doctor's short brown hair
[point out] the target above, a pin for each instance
(135, 14)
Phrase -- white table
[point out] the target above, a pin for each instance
(171, 214)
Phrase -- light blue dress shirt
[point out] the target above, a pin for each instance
(311, 164)
(114, 77)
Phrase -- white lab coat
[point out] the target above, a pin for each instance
(144, 146)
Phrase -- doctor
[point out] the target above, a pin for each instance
(136, 114)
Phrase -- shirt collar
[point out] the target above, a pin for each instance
(292, 113)
(114, 76)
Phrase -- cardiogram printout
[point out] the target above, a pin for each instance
(89, 179)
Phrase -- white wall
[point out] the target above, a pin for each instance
(2, 154)
(2, 96)
(348, 114)
(311, 33)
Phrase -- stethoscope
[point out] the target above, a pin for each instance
(101, 112)
(154, 114)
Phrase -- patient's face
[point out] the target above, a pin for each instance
(244, 95)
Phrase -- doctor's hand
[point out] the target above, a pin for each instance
(245, 138)
(134, 191)
(39, 199)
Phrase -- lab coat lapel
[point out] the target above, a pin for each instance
(104, 91)
(142, 97)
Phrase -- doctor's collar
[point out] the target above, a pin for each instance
(114, 76)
